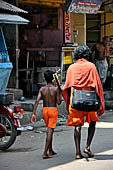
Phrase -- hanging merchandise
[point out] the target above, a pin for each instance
(85, 6)
(5, 65)
(4, 57)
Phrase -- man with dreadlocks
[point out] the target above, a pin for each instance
(82, 75)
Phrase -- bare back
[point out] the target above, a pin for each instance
(50, 96)
(100, 51)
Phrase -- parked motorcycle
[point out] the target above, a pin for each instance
(9, 124)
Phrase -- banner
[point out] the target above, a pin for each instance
(67, 28)
(84, 6)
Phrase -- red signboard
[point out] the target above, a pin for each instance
(67, 28)
(90, 4)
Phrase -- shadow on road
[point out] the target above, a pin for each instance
(103, 157)
(102, 146)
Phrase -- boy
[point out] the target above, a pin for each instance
(51, 97)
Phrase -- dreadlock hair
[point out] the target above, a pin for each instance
(82, 51)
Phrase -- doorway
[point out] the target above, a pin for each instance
(92, 29)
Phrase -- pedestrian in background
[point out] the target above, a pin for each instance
(51, 97)
(100, 57)
(82, 75)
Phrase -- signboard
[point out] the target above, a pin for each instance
(67, 59)
(67, 28)
(84, 6)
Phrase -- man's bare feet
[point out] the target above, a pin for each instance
(52, 153)
(88, 152)
(79, 156)
(46, 156)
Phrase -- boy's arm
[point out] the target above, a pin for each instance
(57, 81)
(59, 96)
(35, 107)
(59, 90)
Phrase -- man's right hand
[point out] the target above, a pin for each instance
(33, 119)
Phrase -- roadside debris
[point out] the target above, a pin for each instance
(38, 131)
(61, 121)
(25, 128)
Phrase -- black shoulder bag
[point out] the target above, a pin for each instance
(85, 100)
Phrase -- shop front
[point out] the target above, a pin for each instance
(6, 66)
(90, 20)
(40, 43)
(75, 26)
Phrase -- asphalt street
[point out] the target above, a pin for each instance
(26, 152)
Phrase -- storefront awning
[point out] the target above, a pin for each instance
(6, 6)
(12, 19)
(85, 6)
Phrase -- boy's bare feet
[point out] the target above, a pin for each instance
(88, 152)
(46, 156)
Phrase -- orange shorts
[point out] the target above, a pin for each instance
(50, 115)
(77, 117)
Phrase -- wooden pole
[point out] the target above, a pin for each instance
(27, 64)
(17, 52)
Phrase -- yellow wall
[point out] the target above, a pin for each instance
(78, 22)
(102, 28)
(109, 27)
(106, 30)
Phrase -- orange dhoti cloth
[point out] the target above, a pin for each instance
(50, 115)
(77, 117)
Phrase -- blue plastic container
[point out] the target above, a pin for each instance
(5, 71)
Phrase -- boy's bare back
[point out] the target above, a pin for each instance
(50, 95)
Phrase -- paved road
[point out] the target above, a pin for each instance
(26, 153)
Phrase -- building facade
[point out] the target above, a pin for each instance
(40, 42)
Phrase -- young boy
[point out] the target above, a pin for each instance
(51, 97)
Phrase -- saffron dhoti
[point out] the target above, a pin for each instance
(77, 117)
(50, 115)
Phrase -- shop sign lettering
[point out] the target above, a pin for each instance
(67, 28)
(85, 6)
